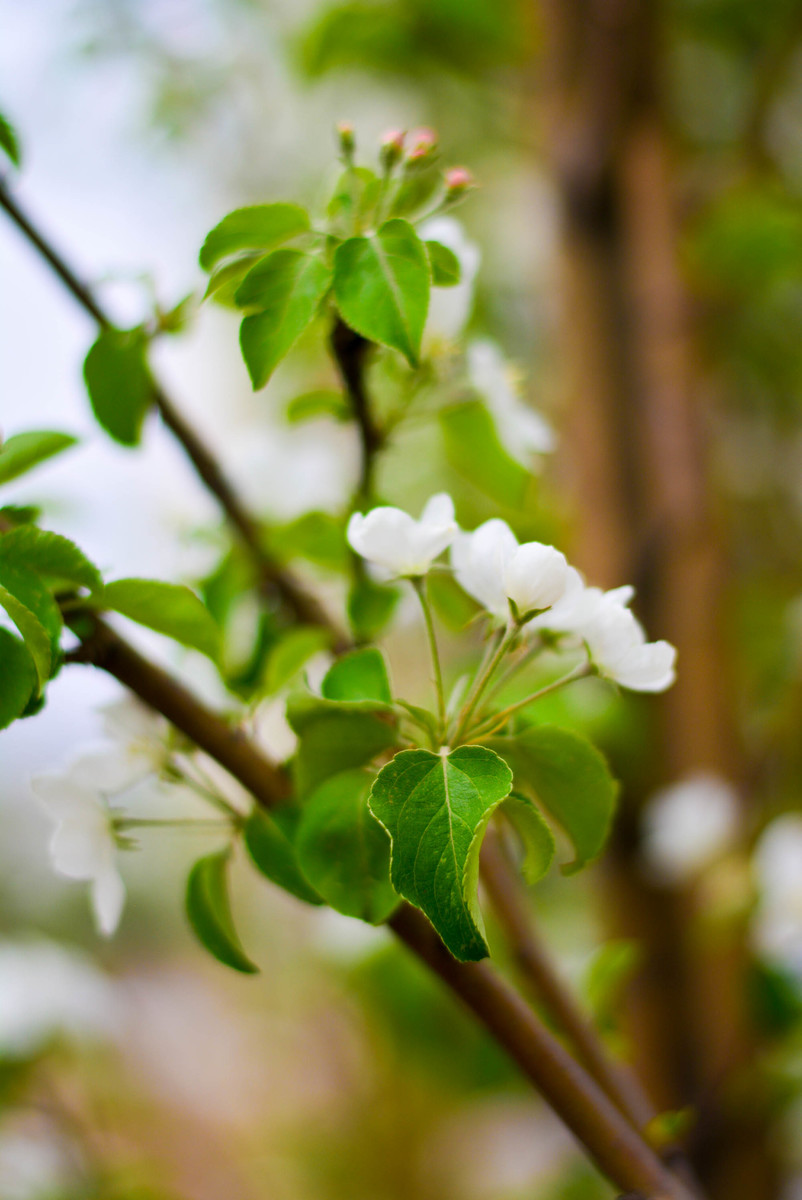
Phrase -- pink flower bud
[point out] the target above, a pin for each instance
(345, 132)
(458, 180)
(392, 147)
(422, 143)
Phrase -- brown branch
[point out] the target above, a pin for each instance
(609, 1139)
(274, 578)
(349, 350)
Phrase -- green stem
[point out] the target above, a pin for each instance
(492, 658)
(123, 823)
(494, 723)
(420, 587)
(513, 670)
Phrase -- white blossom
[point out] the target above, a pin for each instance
(688, 825)
(393, 540)
(522, 431)
(777, 868)
(141, 737)
(48, 991)
(493, 568)
(83, 845)
(449, 308)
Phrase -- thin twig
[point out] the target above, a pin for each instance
(274, 578)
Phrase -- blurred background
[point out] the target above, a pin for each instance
(639, 218)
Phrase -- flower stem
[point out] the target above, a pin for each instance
(420, 587)
(123, 823)
(493, 657)
(497, 720)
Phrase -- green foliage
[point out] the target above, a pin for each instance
(259, 227)
(436, 808)
(537, 838)
(361, 675)
(316, 536)
(344, 851)
(335, 737)
(52, 557)
(24, 451)
(610, 970)
(270, 841)
(444, 264)
(774, 998)
(473, 448)
(370, 607)
(320, 403)
(570, 779)
(381, 284)
(167, 608)
(33, 633)
(354, 198)
(286, 289)
(36, 615)
(18, 677)
(209, 912)
(291, 651)
(119, 383)
(9, 142)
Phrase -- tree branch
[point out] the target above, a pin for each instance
(349, 350)
(272, 575)
(607, 1136)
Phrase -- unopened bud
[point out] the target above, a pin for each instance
(392, 147)
(422, 145)
(345, 132)
(458, 180)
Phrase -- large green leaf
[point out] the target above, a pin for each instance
(360, 675)
(382, 283)
(286, 288)
(26, 450)
(9, 140)
(436, 808)
(344, 851)
(270, 844)
(259, 227)
(18, 678)
(473, 448)
(49, 555)
(119, 383)
(167, 608)
(335, 737)
(33, 633)
(569, 777)
(209, 912)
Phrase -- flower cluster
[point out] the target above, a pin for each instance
(530, 586)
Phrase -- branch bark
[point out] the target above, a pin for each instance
(274, 578)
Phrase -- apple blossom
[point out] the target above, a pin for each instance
(618, 647)
(493, 568)
(450, 308)
(392, 539)
(688, 825)
(522, 431)
(84, 845)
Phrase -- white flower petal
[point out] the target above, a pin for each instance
(689, 824)
(647, 668)
(479, 560)
(392, 539)
(522, 431)
(108, 898)
(535, 576)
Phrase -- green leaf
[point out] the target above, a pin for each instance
(291, 651)
(361, 675)
(12, 515)
(26, 450)
(33, 633)
(209, 912)
(119, 383)
(335, 737)
(354, 198)
(223, 282)
(274, 854)
(436, 808)
(381, 284)
(570, 779)
(261, 226)
(537, 838)
(9, 140)
(606, 977)
(316, 536)
(473, 448)
(444, 263)
(55, 558)
(320, 403)
(18, 677)
(454, 606)
(344, 851)
(286, 288)
(370, 607)
(167, 608)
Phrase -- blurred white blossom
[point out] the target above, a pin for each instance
(777, 868)
(493, 568)
(393, 540)
(84, 845)
(48, 991)
(450, 308)
(141, 738)
(522, 431)
(688, 825)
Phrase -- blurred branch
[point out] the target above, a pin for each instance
(273, 576)
(350, 349)
(618, 1149)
